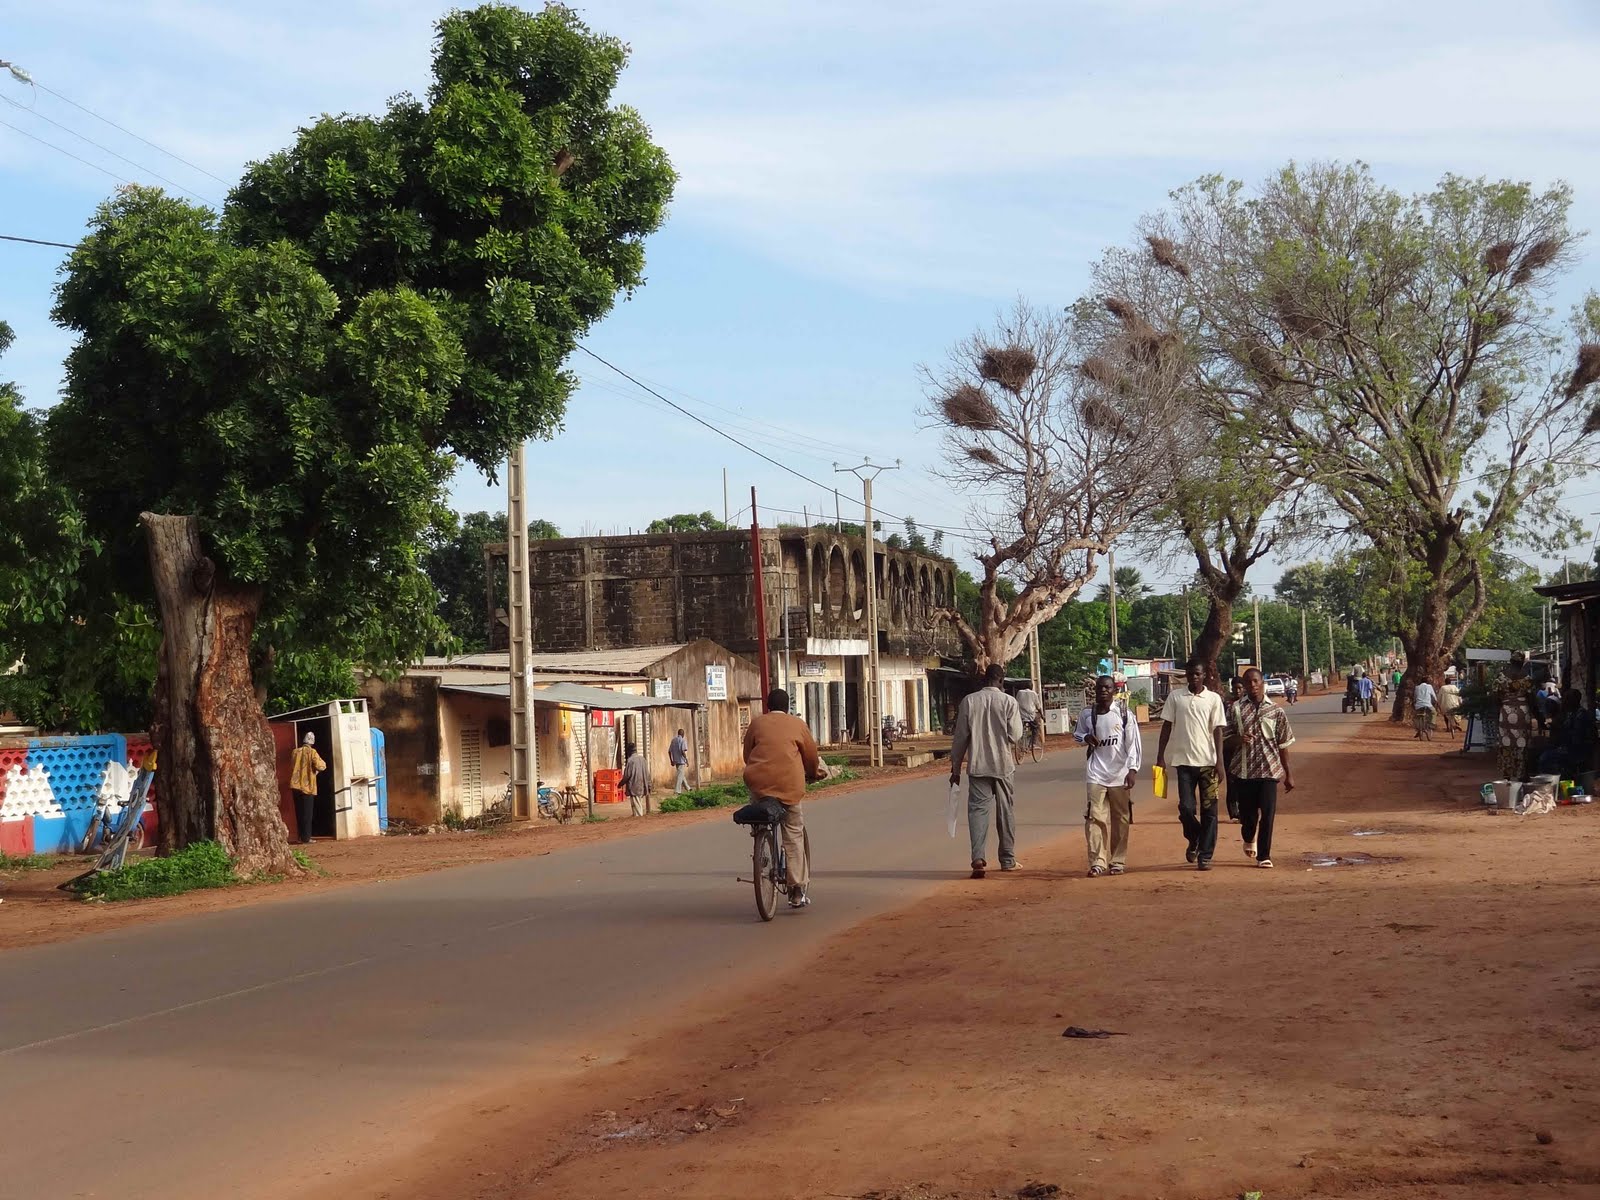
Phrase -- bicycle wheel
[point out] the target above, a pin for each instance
(1033, 747)
(764, 864)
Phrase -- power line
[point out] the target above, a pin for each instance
(106, 149)
(131, 133)
(11, 237)
(62, 150)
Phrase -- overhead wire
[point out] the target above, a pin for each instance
(107, 150)
(63, 150)
(11, 237)
(132, 134)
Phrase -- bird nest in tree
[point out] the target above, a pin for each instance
(1009, 367)
(1121, 309)
(1100, 415)
(1592, 425)
(1586, 372)
(1535, 259)
(1267, 365)
(1101, 371)
(1165, 253)
(984, 455)
(968, 408)
(1293, 315)
(1498, 257)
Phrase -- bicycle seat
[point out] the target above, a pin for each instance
(765, 811)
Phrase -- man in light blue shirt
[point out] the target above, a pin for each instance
(1422, 705)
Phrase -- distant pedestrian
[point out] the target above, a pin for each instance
(1260, 764)
(1111, 732)
(1450, 704)
(987, 730)
(678, 756)
(1193, 721)
(303, 774)
(1230, 743)
(636, 781)
(1364, 693)
(1423, 699)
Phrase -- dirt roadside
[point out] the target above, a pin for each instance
(1420, 1026)
(35, 911)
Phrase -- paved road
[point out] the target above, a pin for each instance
(243, 1053)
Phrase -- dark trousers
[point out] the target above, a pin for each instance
(1258, 808)
(1233, 797)
(305, 805)
(1197, 808)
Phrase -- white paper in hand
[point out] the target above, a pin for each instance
(955, 808)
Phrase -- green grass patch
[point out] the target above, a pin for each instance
(202, 865)
(307, 863)
(835, 760)
(27, 862)
(731, 795)
(595, 819)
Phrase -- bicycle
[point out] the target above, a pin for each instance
(769, 865)
(1031, 741)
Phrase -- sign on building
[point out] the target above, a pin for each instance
(716, 683)
(661, 689)
(811, 666)
(602, 719)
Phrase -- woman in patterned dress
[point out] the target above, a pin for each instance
(1514, 691)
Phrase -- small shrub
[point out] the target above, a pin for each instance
(595, 819)
(202, 865)
(307, 863)
(835, 760)
(683, 802)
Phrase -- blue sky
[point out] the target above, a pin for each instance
(862, 184)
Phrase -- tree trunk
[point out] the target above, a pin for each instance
(1217, 632)
(218, 768)
(1426, 652)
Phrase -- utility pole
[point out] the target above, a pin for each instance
(726, 516)
(1111, 575)
(524, 745)
(1255, 616)
(1333, 666)
(867, 472)
(1036, 681)
(1188, 628)
(1305, 654)
(761, 600)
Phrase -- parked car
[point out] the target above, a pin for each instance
(1275, 686)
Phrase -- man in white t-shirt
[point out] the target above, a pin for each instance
(1029, 708)
(1423, 698)
(1111, 733)
(1193, 722)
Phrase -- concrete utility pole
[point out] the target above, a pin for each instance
(1305, 655)
(1035, 681)
(1333, 666)
(726, 516)
(524, 746)
(1255, 615)
(761, 600)
(867, 472)
(1188, 628)
(1111, 577)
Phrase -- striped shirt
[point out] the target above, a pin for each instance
(1264, 733)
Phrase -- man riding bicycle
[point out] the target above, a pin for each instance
(1028, 706)
(780, 757)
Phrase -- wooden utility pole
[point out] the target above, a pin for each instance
(867, 472)
(524, 743)
(761, 601)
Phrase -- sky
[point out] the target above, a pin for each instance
(862, 185)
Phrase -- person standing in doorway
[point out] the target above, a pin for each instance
(1423, 699)
(780, 757)
(678, 756)
(636, 781)
(303, 774)
(1193, 721)
(1260, 764)
(988, 728)
(1111, 732)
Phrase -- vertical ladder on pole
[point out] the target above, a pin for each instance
(524, 751)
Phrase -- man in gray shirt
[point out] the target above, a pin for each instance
(636, 781)
(987, 729)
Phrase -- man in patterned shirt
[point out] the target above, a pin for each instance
(1259, 764)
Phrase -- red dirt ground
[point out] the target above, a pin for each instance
(1424, 1027)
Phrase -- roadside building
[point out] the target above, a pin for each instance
(448, 720)
(1578, 608)
(611, 593)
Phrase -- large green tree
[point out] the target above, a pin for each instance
(278, 397)
(454, 563)
(704, 522)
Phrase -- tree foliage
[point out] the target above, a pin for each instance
(704, 522)
(454, 563)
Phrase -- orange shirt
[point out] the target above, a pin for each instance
(780, 755)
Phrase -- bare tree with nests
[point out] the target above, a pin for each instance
(1055, 460)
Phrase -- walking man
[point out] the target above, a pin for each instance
(780, 758)
(678, 756)
(1260, 763)
(636, 781)
(988, 728)
(1193, 721)
(1422, 701)
(303, 774)
(1111, 732)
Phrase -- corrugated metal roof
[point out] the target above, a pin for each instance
(630, 660)
(574, 694)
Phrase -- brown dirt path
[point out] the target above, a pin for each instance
(1403, 1029)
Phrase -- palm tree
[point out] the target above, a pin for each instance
(1131, 587)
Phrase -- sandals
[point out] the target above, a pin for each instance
(978, 866)
(1249, 849)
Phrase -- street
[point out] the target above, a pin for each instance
(269, 1045)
